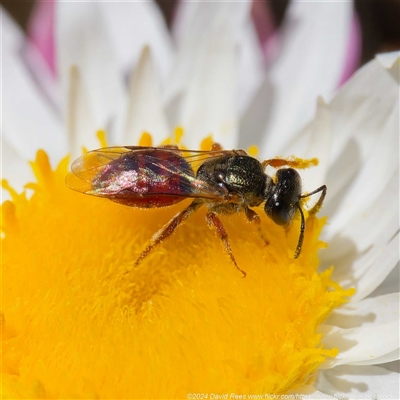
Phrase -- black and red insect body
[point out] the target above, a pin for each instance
(225, 181)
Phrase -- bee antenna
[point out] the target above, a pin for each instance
(301, 236)
(314, 210)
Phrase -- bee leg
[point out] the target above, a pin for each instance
(294, 163)
(214, 221)
(216, 147)
(318, 204)
(252, 216)
(168, 229)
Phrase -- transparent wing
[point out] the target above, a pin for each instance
(89, 165)
(134, 171)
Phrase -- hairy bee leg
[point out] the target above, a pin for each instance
(169, 228)
(295, 163)
(252, 216)
(214, 221)
(318, 204)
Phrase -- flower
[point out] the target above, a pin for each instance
(68, 331)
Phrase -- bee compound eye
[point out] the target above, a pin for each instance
(280, 213)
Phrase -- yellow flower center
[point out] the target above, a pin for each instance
(74, 324)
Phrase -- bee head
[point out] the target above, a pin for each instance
(282, 196)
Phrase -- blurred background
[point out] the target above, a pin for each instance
(379, 20)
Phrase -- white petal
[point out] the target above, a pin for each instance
(314, 141)
(188, 17)
(310, 65)
(383, 359)
(369, 183)
(373, 226)
(209, 102)
(131, 26)
(379, 270)
(369, 270)
(83, 41)
(251, 70)
(370, 344)
(194, 18)
(253, 121)
(185, 15)
(388, 59)
(370, 311)
(394, 70)
(12, 36)
(389, 285)
(367, 382)
(192, 25)
(198, 31)
(145, 112)
(193, 28)
(80, 122)
(29, 122)
(391, 61)
(45, 80)
(359, 114)
(362, 106)
(392, 366)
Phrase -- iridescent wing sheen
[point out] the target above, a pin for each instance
(133, 173)
(89, 165)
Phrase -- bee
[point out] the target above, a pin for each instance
(225, 181)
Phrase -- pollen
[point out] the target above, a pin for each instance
(76, 324)
(146, 139)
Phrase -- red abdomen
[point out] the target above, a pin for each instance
(148, 178)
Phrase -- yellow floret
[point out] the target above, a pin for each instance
(75, 325)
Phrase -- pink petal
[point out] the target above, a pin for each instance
(266, 28)
(353, 54)
(263, 20)
(41, 31)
